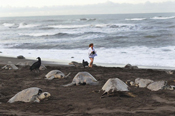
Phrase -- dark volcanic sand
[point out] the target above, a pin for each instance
(80, 100)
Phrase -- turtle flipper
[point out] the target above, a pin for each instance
(70, 84)
(130, 94)
(95, 91)
(102, 96)
(67, 75)
(51, 77)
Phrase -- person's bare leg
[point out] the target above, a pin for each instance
(91, 63)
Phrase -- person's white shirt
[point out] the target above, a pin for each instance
(90, 50)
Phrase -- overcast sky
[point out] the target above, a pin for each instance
(66, 7)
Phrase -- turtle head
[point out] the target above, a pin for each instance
(169, 87)
(131, 83)
(44, 95)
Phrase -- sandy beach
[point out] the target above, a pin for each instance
(80, 100)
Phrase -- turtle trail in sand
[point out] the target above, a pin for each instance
(83, 78)
(33, 94)
(55, 74)
(115, 85)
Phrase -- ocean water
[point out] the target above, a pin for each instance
(138, 39)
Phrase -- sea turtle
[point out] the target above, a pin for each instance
(142, 83)
(170, 72)
(116, 85)
(157, 85)
(165, 85)
(21, 64)
(10, 66)
(129, 66)
(24, 64)
(169, 87)
(139, 82)
(20, 57)
(55, 74)
(76, 64)
(33, 94)
(42, 67)
(83, 78)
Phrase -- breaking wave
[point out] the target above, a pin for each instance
(42, 34)
(135, 19)
(24, 25)
(8, 24)
(87, 19)
(68, 26)
(160, 17)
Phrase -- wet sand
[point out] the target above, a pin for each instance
(80, 100)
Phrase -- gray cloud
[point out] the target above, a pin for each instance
(103, 8)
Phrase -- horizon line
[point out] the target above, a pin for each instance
(84, 14)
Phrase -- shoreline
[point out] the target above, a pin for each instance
(15, 60)
(47, 62)
(139, 66)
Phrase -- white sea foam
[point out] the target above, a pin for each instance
(23, 25)
(68, 26)
(136, 19)
(98, 28)
(38, 34)
(109, 25)
(8, 24)
(85, 37)
(159, 17)
(87, 19)
(144, 56)
(113, 28)
(99, 25)
(91, 26)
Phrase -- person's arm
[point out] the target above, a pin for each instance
(90, 51)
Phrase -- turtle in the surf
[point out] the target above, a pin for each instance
(115, 85)
(83, 78)
(33, 94)
(55, 74)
